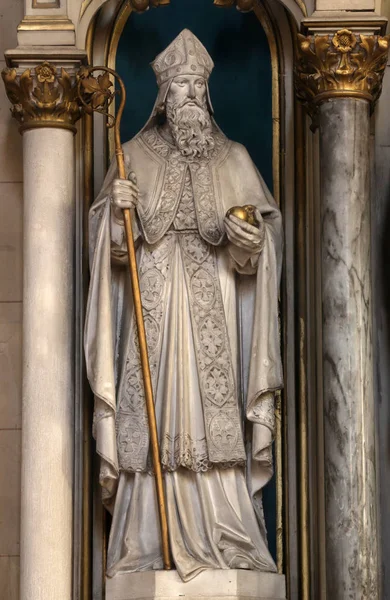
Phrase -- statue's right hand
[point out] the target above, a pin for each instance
(124, 194)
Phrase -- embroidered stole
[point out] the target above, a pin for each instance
(222, 416)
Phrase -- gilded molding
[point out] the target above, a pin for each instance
(42, 97)
(343, 64)
(142, 5)
(46, 4)
(45, 23)
(242, 5)
(83, 7)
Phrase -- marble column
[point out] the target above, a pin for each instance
(48, 322)
(349, 419)
(339, 92)
(48, 328)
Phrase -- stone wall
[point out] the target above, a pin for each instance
(11, 12)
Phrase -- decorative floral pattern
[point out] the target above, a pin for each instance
(217, 386)
(131, 416)
(155, 225)
(152, 333)
(186, 216)
(214, 358)
(44, 95)
(203, 288)
(197, 252)
(211, 337)
(344, 40)
(223, 443)
(184, 451)
(223, 432)
(151, 284)
(46, 73)
(209, 225)
(342, 64)
(131, 437)
(193, 454)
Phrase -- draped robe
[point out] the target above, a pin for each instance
(201, 359)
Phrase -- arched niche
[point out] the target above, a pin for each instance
(83, 13)
(295, 508)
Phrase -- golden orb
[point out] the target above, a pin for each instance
(245, 213)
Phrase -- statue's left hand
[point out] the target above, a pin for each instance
(243, 235)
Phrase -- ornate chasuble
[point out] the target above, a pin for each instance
(197, 407)
(156, 219)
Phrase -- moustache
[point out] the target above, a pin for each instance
(190, 101)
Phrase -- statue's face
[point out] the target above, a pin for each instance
(187, 89)
(187, 116)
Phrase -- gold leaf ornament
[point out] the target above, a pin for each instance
(344, 40)
(84, 6)
(241, 5)
(42, 97)
(142, 5)
(343, 64)
(12, 86)
(97, 92)
(94, 92)
(45, 73)
(98, 89)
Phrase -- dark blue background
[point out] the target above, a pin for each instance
(240, 88)
(240, 85)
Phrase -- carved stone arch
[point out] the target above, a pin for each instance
(88, 9)
(297, 8)
(83, 12)
(101, 23)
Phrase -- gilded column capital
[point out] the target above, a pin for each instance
(43, 96)
(343, 64)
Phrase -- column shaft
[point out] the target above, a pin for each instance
(351, 543)
(48, 322)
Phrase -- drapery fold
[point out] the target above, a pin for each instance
(211, 522)
(231, 179)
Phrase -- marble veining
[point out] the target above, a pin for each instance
(347, 351)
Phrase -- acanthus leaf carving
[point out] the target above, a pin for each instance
(42, 97)
(342, 64)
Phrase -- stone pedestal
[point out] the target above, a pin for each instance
(218, 585)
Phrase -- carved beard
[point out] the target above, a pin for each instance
(191, 128)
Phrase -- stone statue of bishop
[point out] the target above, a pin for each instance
(209, 286)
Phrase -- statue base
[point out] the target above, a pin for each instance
(216, 584)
